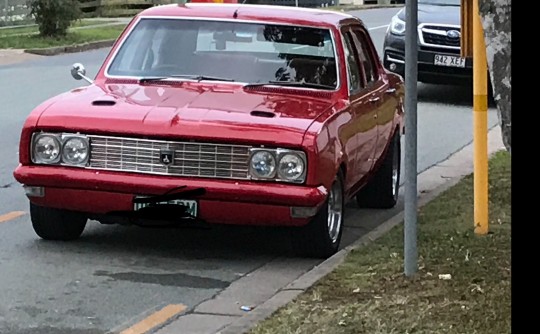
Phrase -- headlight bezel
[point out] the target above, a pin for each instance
(281, 154)
(278, 154)
(394, 26)
(35, 138)
(68, 137)
(252, 173)
(61, 139)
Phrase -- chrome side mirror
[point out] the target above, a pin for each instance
(78, 72)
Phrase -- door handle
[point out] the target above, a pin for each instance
(390, 91)
(374, 99)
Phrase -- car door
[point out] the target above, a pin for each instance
(381, 95)
(362, 126)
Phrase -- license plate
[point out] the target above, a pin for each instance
(451, 61)
(191, 205)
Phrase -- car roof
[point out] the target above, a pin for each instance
(250, 12)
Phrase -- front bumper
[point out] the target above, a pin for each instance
(394, 61)
(225, 201)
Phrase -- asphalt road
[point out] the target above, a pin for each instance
(115, 275)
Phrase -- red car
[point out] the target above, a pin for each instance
(220, 113)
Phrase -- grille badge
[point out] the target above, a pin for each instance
(453, 34)
(166, 156)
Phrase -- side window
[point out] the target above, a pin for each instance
(355, 79)
(366, 56)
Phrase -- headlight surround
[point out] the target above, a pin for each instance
(397, 26)
(60, 149)
(278, 164)
(46, 149)
(75, 150)
(291, 166)
(262, 164)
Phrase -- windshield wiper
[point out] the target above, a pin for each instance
(184, 76)
(291, 84)
(201, 77)
(151, 79)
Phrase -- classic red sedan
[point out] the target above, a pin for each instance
(220, 113)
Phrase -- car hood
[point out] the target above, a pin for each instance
(436, 14)
(225, 113)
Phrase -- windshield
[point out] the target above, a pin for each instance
(441, 2)
(242, 52)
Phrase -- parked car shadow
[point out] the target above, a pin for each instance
(459, 95)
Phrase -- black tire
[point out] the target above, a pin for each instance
(315, 239)
(55, 224)
(383, 189)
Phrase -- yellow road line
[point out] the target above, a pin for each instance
(11, 215)
(155, 319)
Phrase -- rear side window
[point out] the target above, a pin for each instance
(353, 67)
(366, 56)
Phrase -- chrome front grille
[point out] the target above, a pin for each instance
(448, 37)
(190, 158)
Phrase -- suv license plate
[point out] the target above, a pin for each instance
(191, 204)
(451, 61)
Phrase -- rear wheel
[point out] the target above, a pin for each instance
(321, 237)
(56, 224)
(382, 190)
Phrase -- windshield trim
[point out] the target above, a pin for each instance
(140, 18)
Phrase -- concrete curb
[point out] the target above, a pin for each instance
(53, 51)
(290, 292)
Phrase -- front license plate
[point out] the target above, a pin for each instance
(451, 61)
(191, 204)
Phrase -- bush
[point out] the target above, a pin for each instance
(54, 16)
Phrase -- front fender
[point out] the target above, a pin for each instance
(325, 150)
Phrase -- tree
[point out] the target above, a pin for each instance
(496, 21)
(54, 16)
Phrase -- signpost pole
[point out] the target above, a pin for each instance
(480, 73)
(411, 103)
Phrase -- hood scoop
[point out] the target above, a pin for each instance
(265, 114)
(103, 103)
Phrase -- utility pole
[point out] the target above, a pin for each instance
(411, 104)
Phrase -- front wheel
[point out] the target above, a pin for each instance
(321, 237)
(56, 224)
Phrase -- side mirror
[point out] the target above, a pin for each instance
(78, 72)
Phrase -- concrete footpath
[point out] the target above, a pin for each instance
(220, 315)
(13, 56)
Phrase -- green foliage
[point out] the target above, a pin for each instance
(54, 17)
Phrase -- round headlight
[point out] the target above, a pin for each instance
(75, 151)
(263, 164)
(47, 149)
(291, 167)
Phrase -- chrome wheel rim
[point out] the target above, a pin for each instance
(335, 211)
(395, 170)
